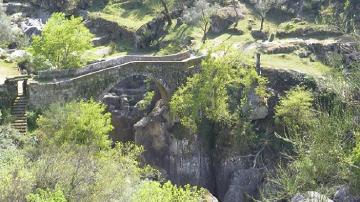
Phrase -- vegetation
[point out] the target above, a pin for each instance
(262, 7)
(309, 139)
(61, 43)
(200, 15)
(319, 146)
(206, 95)
(7, 32)
(69, 158)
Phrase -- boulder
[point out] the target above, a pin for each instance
(224, 18)
(226, 164)
(343, 194)
(256, 107)
(31, 26)
(112, 99)
(310, 196)
(18, 55)
(259, 35)
(244, 183)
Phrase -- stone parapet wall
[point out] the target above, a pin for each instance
(60, 74)
(169, 74)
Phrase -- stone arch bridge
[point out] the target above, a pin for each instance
(96, 79)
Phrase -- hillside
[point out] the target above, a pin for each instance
(171, 100)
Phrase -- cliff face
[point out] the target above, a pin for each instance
(228, 170)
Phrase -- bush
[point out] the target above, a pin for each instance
(80, 123)
(154, 191)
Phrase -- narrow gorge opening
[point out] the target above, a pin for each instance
(129, 101)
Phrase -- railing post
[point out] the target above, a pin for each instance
(258, 63)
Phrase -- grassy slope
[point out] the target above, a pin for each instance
(125, 14)
(133, 17)
(7, 70)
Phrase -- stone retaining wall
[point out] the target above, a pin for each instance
(59, 74)
(8, 93)
(168, 74)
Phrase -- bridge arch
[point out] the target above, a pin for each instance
(161, 86)
(168, 75)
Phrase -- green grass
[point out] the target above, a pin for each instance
(7, 70)
(132, 17)
(293, 62)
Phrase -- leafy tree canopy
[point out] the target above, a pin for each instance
(82, 123)
(62, 43)
(206, 94)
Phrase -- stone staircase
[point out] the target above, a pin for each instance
(18, 111)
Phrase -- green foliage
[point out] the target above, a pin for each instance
(63, 161)
(81, 123)
(61, 43)
(15, 177)
(31, 118)
(42, 195)
(294, 111)
(320, 146)
(205, 95)
(146, 101)
(154, 191)
(199, 15)
(5, 116)
(6, 33)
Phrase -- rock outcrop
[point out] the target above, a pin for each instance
(224, 18)
(182, 160)
(244, 183)
(310, 196)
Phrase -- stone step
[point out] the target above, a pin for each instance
(18, 110)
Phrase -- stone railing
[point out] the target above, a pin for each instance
(60, 74)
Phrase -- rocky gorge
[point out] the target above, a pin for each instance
(211, 157)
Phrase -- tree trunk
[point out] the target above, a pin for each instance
(299, 12)
(204, 32)
(262, 23)
(166, 12)
(236, 12)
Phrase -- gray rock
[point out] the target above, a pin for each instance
(256, 107)
(112, 99)
(259, 35)
(18, 55)
(310, 196)
(179, 154)
(223, 18)
(343, 194)
(31, 26)
(244, 183)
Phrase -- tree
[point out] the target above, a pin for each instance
(62, 43)
(200, 15)
(6, 31)
(166, 5)
(262, 7)
(206, 95)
